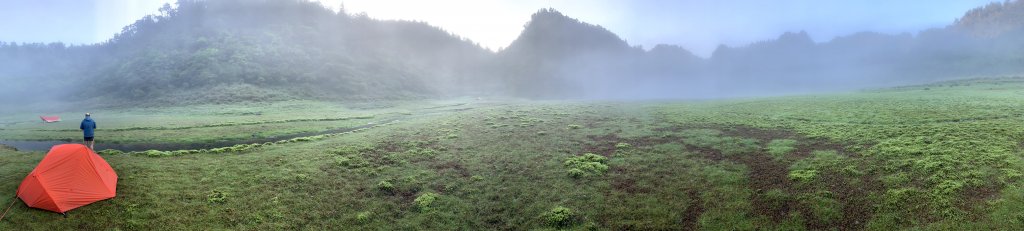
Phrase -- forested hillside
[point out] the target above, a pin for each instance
(993, 20)
(251, 49)
(233, 50)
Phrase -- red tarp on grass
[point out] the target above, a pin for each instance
(50, 119)
(70, 176)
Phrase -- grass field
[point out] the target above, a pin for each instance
(209, 123)
(945, 156)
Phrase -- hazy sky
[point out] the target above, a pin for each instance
(696, 25)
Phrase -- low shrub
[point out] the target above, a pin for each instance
(363, 217)
(385, 186)
(559, 217)
(590, 157)
(424, 200)
(576, 173)
(587, 164)
(217, 197)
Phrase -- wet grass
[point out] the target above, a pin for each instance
(881, 160)
(212, 123)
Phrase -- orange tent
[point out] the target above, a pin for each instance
(50, 119)
(70, 176)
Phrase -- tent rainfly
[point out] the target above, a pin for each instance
(70, 176)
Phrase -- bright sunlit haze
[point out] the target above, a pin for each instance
(696, 25)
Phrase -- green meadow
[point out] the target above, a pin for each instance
(943, 156)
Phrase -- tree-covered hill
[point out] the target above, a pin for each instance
(994, 19)
(296, 48)
(557, 56)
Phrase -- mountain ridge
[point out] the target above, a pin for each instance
(300, 49)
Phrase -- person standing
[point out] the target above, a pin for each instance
(88, 128)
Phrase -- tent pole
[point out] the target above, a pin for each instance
(13, 199)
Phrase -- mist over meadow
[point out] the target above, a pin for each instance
(229, 50)
(291, 115)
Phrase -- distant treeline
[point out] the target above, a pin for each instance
(245, 50)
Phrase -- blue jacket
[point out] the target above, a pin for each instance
(88, 126)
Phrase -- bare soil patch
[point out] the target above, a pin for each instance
(767, 174)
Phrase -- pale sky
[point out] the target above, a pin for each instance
(698, 25)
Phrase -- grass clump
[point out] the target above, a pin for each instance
(350, 150)
(416, 151)
(803, 175)
(586, 165)
(385, 186)
(217, 197)
(110, 152)
(779, 148)
(155, 153)
(622, 145)
(352, 162)
(424, 200)
(363, 217)
(576, 173)
(806, 170)
(559, 217)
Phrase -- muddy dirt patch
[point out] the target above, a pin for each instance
(453, 166)
(775, 196)
(692, 213)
